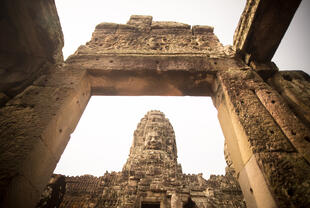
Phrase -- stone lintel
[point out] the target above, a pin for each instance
(262, 26)
(152, 75)
(151, 62)
(135, 83)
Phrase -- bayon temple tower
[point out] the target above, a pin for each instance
(151, 178)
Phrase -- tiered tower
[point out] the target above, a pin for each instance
(154, 151)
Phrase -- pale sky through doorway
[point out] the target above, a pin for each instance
(104, 134)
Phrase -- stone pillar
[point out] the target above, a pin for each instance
(35, 129)
(175, 200)
(272, 163)
(163, 203)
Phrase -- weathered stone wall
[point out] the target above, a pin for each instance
(108, 191)
(259, 127)
(41, 100)
(36, 126)
(82, 191)
(267, 111)
(294, 87)
(31, 41)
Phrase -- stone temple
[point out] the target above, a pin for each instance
(151, 177)
(263, 110)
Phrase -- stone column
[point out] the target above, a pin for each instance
(175, 200)
(272, 165)
(35, 128)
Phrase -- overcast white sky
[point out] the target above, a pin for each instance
(104, 134)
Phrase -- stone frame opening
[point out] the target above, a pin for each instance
(180, 146)
(71, 87)
(75, 86)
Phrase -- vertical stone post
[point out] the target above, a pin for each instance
(175, 200)
(163, 203)
(272, 167)
(35, 129)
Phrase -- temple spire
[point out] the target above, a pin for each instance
(153, 146)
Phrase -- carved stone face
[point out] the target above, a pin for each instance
(153, 140)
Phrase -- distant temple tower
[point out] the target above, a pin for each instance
(152, 177)
(154, 151)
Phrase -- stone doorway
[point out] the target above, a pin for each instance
(106, 127)
(264, 116)
(150, 205)
(190, 204)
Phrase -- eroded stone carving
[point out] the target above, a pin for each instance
(142, 35)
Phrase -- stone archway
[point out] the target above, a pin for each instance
(263, 117)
